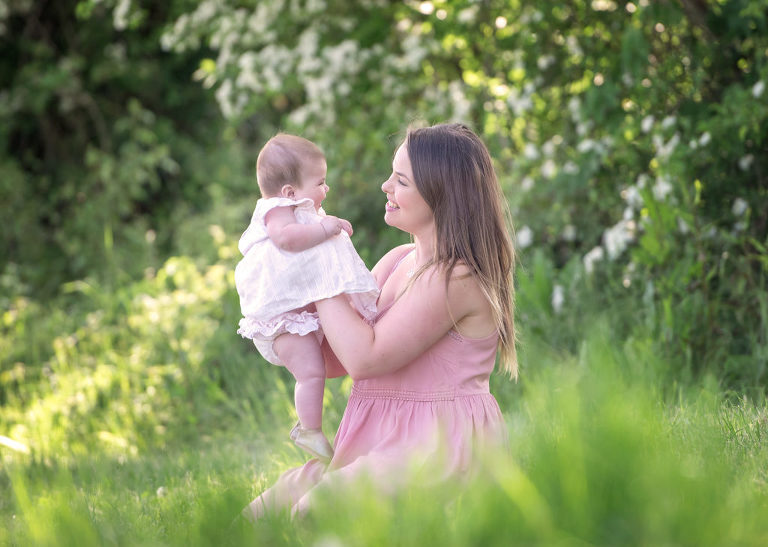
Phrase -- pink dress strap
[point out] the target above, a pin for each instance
(383, 310)
(399, 260)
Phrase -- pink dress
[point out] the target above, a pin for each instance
(432, 412)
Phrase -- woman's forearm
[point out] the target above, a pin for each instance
(349, 336)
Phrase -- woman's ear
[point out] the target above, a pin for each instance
(287, 191)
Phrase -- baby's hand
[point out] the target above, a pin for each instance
(334, 225)
(346, 226)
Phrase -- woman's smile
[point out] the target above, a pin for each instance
(391, 206)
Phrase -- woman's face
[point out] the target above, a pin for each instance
(405, 208)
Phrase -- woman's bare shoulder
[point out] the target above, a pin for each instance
(384, 266)
(469, 304)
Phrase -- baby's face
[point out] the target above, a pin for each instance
(312, 184)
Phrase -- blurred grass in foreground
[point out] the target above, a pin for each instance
(598, 455)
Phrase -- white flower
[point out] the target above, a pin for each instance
(574, 106)
(705, 138)
(527, 183)
(459, 102)
(648, 294)
(468, 15)
(647, 124)
(682, 226)
(558, 298)
(519, 103)
(616, 238)
(299, 116)
(603, 5)
(739, 207)
(224, 98)
(426, 8)
(570, 167)
(746, 161)
(668, 122)
(595, 255)
(664, 150)
(524, 237)
(530, 151)
(582, 128)
(662, 188)
(574, 48)
(632, 196)
(120, 15)
(545, 61)
(548, 169)
(569, 233)
(758, 89)
(585, 146)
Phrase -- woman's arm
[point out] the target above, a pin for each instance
(413, 324)
(291, 236)
(333, 367)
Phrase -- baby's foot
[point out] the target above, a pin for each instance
(313, 441)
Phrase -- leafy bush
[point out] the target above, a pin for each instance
(628, 135)
(99, 139)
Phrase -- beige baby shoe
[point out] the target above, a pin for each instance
(312, 441)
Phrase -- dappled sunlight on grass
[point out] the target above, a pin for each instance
(149, 421)
(597, 454)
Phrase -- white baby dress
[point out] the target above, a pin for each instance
(273, 284)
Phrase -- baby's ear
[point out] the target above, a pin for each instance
(287, 191)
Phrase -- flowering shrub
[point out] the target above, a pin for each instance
(627, 137)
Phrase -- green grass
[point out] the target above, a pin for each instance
(147, 421)
(598, 454)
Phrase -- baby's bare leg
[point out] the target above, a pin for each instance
(304, 359)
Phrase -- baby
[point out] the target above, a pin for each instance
(293, 255)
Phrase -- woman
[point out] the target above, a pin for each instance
(421, 368)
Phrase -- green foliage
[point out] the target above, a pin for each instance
(98, 142)
(628, 136)
(630, 131)
(630, 140)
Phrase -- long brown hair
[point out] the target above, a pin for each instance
(454, 174)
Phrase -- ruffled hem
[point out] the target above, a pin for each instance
(301, 323)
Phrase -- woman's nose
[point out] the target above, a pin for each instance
(384, 186)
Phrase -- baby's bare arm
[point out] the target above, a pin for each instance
(291, 236)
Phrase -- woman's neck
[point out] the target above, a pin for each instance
(424, 249)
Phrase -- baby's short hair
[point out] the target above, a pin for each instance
(280, 162)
